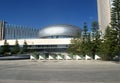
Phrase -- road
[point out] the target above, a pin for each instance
(71, 71)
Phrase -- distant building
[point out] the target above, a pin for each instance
(104, 14)
(51, 39)
(2, 25)
(9, 31)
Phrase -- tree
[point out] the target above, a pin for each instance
(95, 46)
(84, 41)
(91, 46)
(24, 48)
(74, 47)
(87, 45)
(94, 28)
(91, 42)
(115, 21)
(16, 48)
(80, 44)
(85, 30)
(5, 49)
(109, 47)
(95, 39)
(115, 15)
(84, 45)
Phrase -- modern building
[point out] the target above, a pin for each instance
(9, 31)
(2, 25)
(51, 39)
(104, 14)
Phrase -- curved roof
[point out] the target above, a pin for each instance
(59, 30)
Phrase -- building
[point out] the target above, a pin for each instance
(2, 25)
(9, 31)
(104, 14)
(51, 39)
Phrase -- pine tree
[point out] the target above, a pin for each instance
(85, 30)
(25, 46)
(94, 29)
(115, 20)
(16, 48)
(5, 48)
(86, 41)
(115, 15)
(94, 26)
(74, 47)
(95, 47)
(87, 45)
(109, 47)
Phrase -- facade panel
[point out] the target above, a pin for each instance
(20, 32)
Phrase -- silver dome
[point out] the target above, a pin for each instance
(59, 31)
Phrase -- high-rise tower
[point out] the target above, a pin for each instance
(2, 27)
(104, 16)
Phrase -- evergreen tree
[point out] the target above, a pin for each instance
(25, 46)
(92, 46)
(94, 26)
(115, 15)
(85, 30)
(74, 47)
(16, 48)
(85, 44)
(94, 29)
(115, 20)
(95, 46)
(109, 47)
(5, 49)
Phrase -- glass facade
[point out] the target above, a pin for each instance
(48, 48)
(19, 32)
(15, 32)
(58, 36)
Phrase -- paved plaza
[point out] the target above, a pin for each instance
(62, 71)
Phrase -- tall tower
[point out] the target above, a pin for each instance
(2, 27)
(104, 16)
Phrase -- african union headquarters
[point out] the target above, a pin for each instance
(51, 39)
(50, 42)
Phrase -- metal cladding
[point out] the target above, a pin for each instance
(59, 31)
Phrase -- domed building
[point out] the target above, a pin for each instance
(56, 38)
(50, 39)
(59, 31)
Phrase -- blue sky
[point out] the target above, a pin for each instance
(41, 13)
